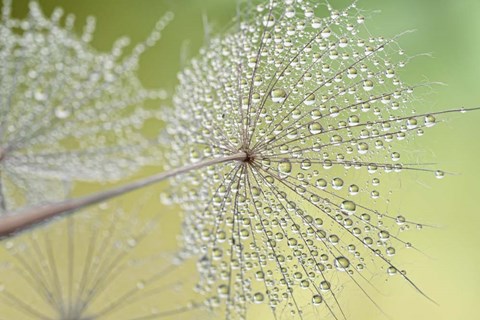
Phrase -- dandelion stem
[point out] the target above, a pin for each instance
(2, 197)
(16, 221)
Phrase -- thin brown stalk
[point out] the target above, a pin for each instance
(13, 222)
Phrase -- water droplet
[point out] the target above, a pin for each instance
(412, 123)
(390, 251)
(317, 299)
(278, 95)
(439, 174)
(383, 235)
(258, 297)
(341, 263)
(353, 189)
(309, 99)
(284, 168)
(132, 242)
(269, 21)
(325, 285)
(316, 23)
(290, 12)
(348, 207)
(391, 271)
(353, 120)
(315, 128)
(352, 73)
(395, 156)
(362, 148)
(326, 33)
(337, 183)
(367, 85)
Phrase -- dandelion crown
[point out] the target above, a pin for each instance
(311, 109)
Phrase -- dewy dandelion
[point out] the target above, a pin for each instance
(91, 266)
(67, 111)
(315, 105)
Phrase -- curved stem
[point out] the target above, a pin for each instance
(3, 206)
(13, 222)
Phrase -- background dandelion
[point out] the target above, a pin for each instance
(95, 266)
(440, 28)
(67, 109)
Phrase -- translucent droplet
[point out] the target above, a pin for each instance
(383, 235)
(321, 183)
(400, 220)
(284, 168)
(362, 148)
(325, 285)
(353, 189)
(439, 174)
(341, 263)
(258, 297)
(337, 183)
(367, 85)
(412, 123)
(132, 242)
(223, 290)
(353, 120)
(278, 95)
(395, 156)
(315, 128)
(290, 12)
(348, 207)
(326, 33)
(316, 23)
(309, 99)
(392, 271)
(269, 21)
(317, 299)
(352, 73)
(390, 251)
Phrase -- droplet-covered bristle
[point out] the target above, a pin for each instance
(316, 103)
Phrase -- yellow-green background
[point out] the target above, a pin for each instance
(450, 31)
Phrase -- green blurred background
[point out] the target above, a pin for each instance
(450, 31)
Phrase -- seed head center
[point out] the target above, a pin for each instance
(250, 156)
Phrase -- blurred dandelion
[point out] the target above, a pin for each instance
(92, 266)
(67, 111)
(312, 109)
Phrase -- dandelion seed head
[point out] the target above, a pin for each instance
(92, 266)
(315, 104)
(68, 111)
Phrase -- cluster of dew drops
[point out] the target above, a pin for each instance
(317, 104)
